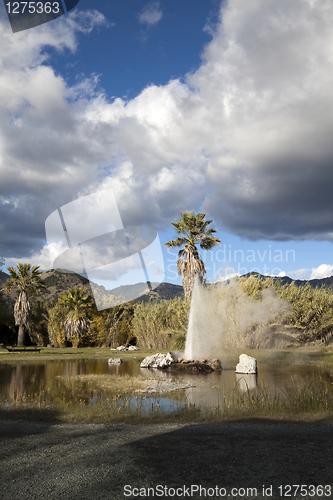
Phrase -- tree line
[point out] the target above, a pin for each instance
(75, 320)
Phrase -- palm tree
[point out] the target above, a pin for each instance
(195, 231)
(77, 304)
(26, 280)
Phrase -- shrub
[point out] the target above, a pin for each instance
(156, 325)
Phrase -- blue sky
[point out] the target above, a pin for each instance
(176, 105)
(129, 54)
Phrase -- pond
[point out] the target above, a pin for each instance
(80, 382)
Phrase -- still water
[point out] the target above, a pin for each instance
(31, 381)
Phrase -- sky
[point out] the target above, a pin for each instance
(221, 107)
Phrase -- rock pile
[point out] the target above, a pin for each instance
(124, 348)
(157, 361)
(197, 365)
(189, 365)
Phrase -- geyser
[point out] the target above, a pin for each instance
(224, 316)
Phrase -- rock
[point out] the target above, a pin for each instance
(215, 364)
(132, 348)
(192, 366)
(164, 386)
(115, 361)
(246, 364)
(157, 361)
(121, 348)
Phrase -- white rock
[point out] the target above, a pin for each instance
(121, 348)
(133, 348)
(148, 361)
(115, 361)
(246, 364)
(157, 361)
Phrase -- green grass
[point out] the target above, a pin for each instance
(75, 353)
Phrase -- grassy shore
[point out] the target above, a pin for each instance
(62, 354)
(314, 354)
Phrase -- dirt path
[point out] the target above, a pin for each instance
(43, 461)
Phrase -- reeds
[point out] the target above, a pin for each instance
(99, 398)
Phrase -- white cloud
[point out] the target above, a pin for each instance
(322, 271)
(40, 258)
(151, 14)
(246, 137)
(300, 274)
(254, 123)
(228, 277)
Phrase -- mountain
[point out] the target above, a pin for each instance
(326, 282)
(3, 278)
(59, 281)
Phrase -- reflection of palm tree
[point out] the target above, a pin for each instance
(194, 229)
(17, 389)
(27, 281)
(77, 304)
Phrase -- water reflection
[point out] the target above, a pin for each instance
(247, 382)
(64, 382)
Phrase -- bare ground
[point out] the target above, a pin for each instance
(62, 461)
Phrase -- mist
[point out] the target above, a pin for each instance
(226, 317)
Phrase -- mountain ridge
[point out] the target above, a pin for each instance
(59, 281)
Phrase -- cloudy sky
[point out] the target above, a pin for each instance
(175, 105)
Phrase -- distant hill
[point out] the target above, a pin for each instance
(59, 281)
(3, 278)
(327, 282)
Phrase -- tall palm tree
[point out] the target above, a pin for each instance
(77, 304)
(26, 280)
(195, 231)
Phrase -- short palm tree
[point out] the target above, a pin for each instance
(77, 304)
(27, 281)
(195, 231)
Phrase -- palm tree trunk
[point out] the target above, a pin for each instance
(21, 336)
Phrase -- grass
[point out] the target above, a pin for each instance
(115, 399)
(315, 354)
(303, 408)
(74, 353)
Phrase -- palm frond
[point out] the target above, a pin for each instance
(209, 242)
(195, 230)
(177, 243)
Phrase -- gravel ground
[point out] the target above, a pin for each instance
(60, 461)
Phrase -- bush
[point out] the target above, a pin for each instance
(38, 324)
(156, 325)
(312, 308)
